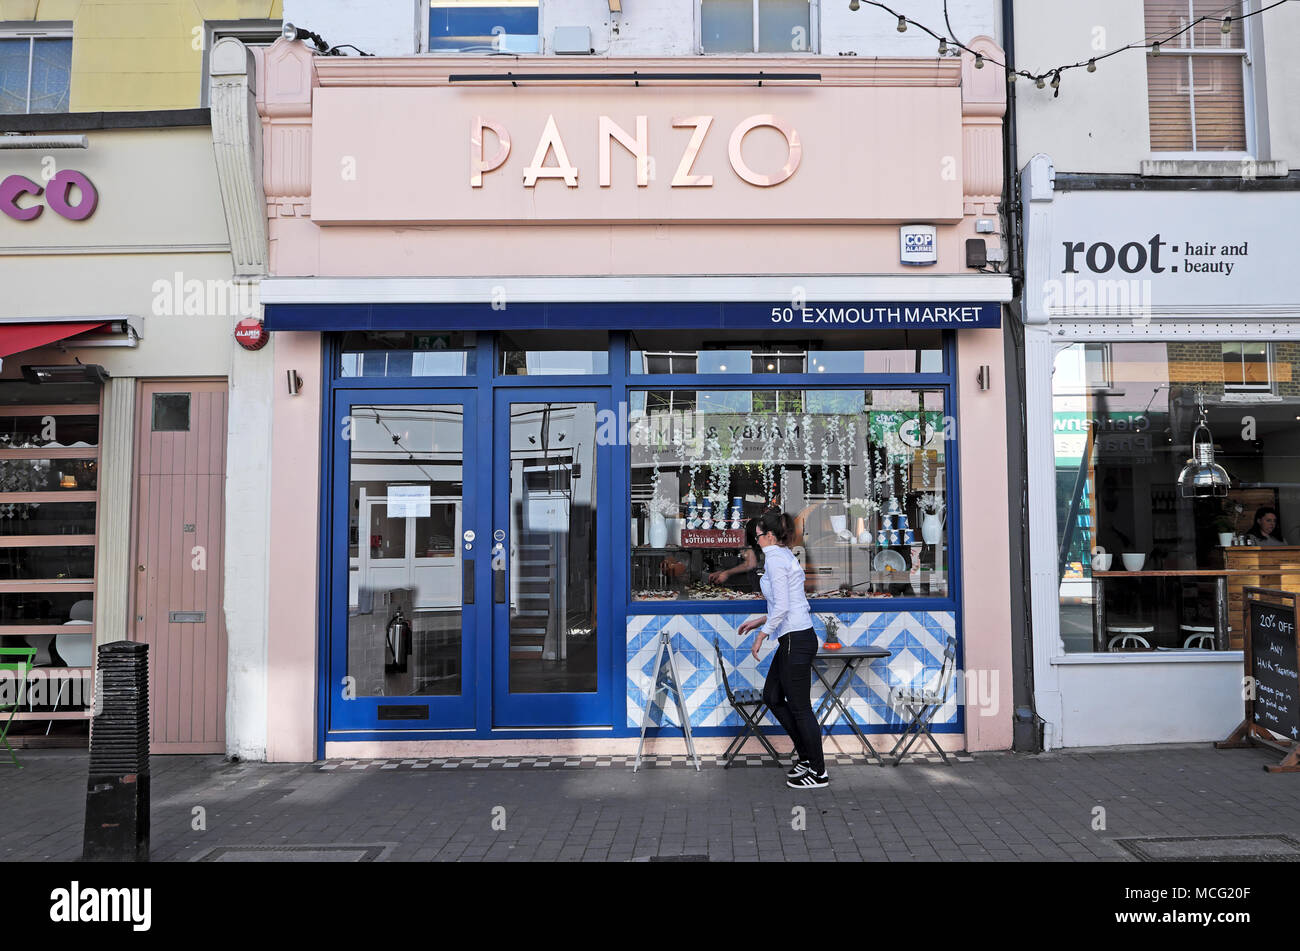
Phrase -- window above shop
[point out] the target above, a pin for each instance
(1247, 367)
(1197, 84)
(35, 68)
(248, 32)
(757, 26)
(483, 26)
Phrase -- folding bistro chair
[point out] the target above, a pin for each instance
(749, 704)
(15, 668)
(920, 706)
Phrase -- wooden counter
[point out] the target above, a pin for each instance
(1265, 566)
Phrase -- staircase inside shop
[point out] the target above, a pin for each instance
(532, 622)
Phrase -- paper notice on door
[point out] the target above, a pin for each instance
(408, 501)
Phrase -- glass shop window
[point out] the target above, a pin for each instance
(474, 26)
(1181, 469)
(861, 472)
(549, 353)
(878, 351)
(756, 26)
(402, 354)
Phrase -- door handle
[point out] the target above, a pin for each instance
(499, 573)
(467, 581)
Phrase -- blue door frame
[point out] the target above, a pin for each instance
(551, 709)
(345, 712)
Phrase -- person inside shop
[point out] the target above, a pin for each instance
(788, 688)
(746, 570)
(1265, 531)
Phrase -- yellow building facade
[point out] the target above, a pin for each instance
(131, 55)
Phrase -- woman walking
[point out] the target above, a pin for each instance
(788, 689)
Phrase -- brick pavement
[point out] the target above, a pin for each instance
(998, 806)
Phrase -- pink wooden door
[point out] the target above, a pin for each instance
(176, 604)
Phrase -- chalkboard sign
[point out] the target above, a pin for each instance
(1271, 687)
(1273, 667)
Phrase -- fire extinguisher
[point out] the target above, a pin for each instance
(398, 636)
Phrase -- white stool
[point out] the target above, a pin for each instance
(1203, 636)
(1128, 636)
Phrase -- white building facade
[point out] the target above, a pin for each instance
(1155, 193)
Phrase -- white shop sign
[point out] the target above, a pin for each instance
(408, 501)
(1124, 253)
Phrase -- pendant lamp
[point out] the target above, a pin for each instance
(1202, 477)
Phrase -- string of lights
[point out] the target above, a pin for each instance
(1053, 74)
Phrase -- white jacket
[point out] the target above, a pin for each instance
(782, 584)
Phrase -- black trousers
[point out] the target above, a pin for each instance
(788, 694)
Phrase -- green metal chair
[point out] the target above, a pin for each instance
(15, 669)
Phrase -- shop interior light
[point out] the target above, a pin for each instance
(1202, 477)
(66, 373)
(67, 481)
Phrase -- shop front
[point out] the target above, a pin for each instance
(1162, 341)
(548, 385)
(115, 336)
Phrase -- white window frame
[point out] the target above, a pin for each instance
(54, 30)
(814, 28)
(242, 30)
(1247, 98)
(422, 31)
(1268, 387)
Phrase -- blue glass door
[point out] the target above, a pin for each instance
(550, 558)
(404, 559)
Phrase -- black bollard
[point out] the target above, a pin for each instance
(117, 791)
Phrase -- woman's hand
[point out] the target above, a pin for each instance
(750, 625)
(758, 642)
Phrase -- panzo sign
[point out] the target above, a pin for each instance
(665, 154)
(638, 145)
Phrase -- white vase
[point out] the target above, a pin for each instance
(931, 528)
(658, 530)
(1225, 539)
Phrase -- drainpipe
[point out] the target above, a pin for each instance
(1027, 725)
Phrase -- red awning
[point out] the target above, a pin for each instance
(15, 338)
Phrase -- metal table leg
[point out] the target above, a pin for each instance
(849, 666)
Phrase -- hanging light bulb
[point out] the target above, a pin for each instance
(902, 24)
(979, 60)
(943, 46)
(1202, 477)
(1040, 83)
(1056, 79)
(1092, 65)
(1011, 76)
(854, 5)
(1227, 26)
(1155, 48)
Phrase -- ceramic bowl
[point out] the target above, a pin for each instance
(1133, 561)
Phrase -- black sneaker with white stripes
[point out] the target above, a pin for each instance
(800, 767)
(809, 780)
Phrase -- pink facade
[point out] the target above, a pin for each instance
(380, 169)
